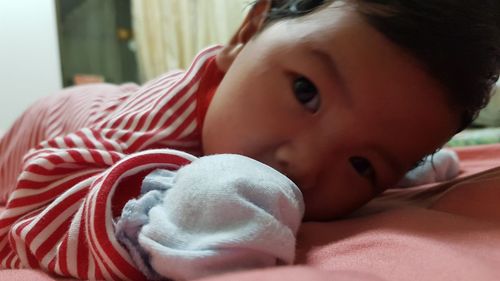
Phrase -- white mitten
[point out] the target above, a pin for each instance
(442, 166)
(220, 213)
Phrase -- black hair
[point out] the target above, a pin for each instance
(457, 41)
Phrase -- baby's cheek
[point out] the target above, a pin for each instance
(216, 138)
(221, 143)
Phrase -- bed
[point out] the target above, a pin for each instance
(396, 236)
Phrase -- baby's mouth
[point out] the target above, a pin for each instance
(303, 185)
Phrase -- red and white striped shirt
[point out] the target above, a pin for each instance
(71, 161)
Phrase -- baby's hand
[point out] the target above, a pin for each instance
(442, 166)
(218, 214)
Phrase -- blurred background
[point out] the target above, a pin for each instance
(49, 44)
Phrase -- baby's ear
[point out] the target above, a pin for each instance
(252, 24)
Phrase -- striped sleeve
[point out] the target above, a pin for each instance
(73, 234)
(163, 113)
(64, 163)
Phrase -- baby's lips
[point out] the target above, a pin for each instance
(303, 184)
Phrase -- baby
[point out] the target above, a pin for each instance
(341, 97)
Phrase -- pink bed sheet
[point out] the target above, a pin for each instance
(395, 237)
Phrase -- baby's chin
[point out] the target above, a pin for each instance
(315, 211)
(326, 216)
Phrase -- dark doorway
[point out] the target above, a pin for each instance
(96, 40)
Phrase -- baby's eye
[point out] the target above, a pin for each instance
(306, 93)
(363, 167)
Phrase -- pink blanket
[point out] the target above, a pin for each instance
(397, 236)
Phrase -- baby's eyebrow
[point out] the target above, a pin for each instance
(333, 69)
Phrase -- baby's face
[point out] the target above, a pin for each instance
(332, 104)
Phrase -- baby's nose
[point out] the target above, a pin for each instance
(301, 165)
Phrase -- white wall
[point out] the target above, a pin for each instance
(29, 55)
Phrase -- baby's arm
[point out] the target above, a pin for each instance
(62, 222)
(220, 213)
